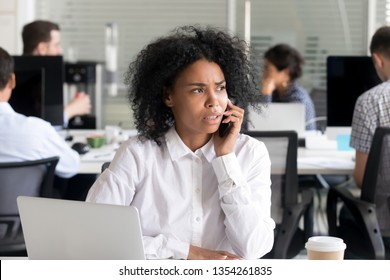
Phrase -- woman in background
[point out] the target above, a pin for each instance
(282, 67)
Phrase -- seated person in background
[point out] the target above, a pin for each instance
(372, 107)
(43, 38)
(29, 138)
(199, 195)
(281, 69)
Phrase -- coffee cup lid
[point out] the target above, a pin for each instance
(325, 244)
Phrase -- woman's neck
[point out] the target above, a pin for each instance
(194, 142)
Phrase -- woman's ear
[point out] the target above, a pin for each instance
(167, 98)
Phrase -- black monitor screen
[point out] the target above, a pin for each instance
(347, 78)
(39, 87)
(27, 96)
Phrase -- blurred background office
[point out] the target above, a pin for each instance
(316, 29)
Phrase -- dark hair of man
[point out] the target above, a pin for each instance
(157, 66)
(36, 32)
(380, 42)
(6, 67)
(284, 56)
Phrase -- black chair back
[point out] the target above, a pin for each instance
(27, 178)
(365, 221)
(289, 204)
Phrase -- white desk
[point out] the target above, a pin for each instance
(310, 162)
(331, 162)
(92, 161)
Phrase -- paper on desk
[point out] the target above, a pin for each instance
(99, 156)
(330, 163)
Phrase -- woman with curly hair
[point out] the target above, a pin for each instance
(200, 195)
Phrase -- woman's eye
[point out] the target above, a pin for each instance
(198, 90)
(221, 88)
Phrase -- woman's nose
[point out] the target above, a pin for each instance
(212, 99)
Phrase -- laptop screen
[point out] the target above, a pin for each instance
(279, 116)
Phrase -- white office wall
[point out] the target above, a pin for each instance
(8, 28)
(13, 15)
(316, 27)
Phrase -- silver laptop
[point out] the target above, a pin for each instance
(64, 229)
(279, 116)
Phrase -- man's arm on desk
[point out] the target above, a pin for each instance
(360, 167)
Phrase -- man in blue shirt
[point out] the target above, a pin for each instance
(29, 138)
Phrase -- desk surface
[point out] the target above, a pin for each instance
(310, 161)
(91, 162)
(331, 162)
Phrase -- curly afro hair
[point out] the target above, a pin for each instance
(156, 67)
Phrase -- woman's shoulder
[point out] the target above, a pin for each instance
(140, 145)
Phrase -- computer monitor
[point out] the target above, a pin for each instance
(347, 78)
(39, 87)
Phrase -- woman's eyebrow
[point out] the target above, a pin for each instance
(220, 83)
(196, 84)
(200, 84)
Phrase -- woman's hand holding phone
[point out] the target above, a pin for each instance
(226, 136)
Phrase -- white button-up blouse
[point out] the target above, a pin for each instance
(185, 197)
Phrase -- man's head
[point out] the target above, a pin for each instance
(284, 58)
(7, 76)
(380, 51)
(41, 37)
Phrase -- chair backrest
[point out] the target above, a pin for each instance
(27, 178)
(318, 95)
(376, 181)
(282, 147)
(105, 165)
(289, 204)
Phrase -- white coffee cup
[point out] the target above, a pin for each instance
(325, 248)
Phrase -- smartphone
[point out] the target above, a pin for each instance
(224, 128)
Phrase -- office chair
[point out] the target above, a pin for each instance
(364, 221)
(28, 178)
(289, 204)
(318, 95)
(105, 165)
